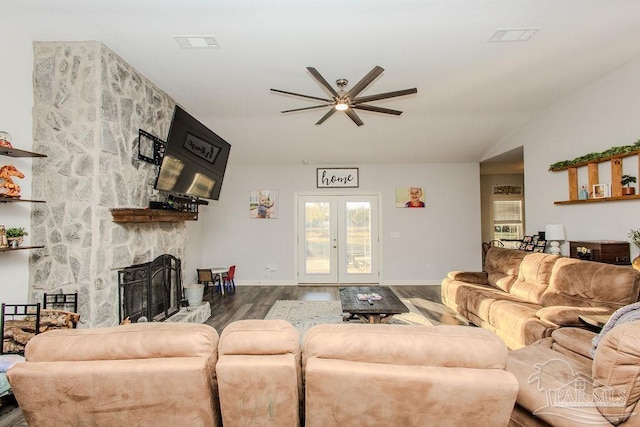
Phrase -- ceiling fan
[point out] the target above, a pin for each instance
(348, 101)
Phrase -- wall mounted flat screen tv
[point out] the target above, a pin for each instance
(195, 159)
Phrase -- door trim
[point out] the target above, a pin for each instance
(296, 231)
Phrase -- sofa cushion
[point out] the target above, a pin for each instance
(591, 284)
(551, 384)
(533, 277)
(502, 266)
(573, 342)
(517, 324)
(616, 372)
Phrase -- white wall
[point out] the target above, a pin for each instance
(419, 246)
(15, 117)
(602, 115)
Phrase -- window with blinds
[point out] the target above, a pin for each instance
(507, 216)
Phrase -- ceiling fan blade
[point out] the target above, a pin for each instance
(384, 95)
(316, 75)
(300, 95)
(353, 116)
(366, 81)
(377, 109)
(326, 116)
(306, 108)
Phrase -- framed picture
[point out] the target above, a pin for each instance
(538, 249)
(263, 204)
(4, 243)
(337, 177)
(410, 197)
(600, 191)
(523, 246)
(507, 189)
(527, 239)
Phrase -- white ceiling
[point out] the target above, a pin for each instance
(471, 94)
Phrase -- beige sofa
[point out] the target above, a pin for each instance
(159, 374)
(524, 296)
(561, 385)
(256, 374)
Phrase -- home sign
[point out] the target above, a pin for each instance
(337, 178)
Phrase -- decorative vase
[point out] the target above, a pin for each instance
(636, 263)
(14, 242)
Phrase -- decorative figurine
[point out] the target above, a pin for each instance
(5, 139)
(9, 188)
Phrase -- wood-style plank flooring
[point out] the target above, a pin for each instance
(254, 302)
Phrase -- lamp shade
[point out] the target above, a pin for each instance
(554, 232)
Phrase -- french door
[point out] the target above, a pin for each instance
(337, 238)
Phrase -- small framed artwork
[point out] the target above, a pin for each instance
(540, 245)
(263, 204)
(527, 239)
(600, 191)
(538, 249)
(410, 197)
(4, 243)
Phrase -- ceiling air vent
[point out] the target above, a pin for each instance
(197, 42)
(513, 35)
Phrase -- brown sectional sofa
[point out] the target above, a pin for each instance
(257, 373)
(524, 296)
(561, 385)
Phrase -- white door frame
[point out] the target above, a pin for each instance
(298, 231)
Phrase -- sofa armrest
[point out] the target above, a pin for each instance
(135, 341)
(565, 315)
(616, 372)
(479, 277)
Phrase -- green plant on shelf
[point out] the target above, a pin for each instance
(634, 235)
(15, 232)
(592, 157)
(628, 179)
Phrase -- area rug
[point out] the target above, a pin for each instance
(305, 314)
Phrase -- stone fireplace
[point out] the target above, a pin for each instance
(89, 105)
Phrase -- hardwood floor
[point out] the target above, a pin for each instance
(254, 302)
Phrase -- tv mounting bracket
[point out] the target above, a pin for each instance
(150, 141)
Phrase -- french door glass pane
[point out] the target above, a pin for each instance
(358, 237)
(317, 238)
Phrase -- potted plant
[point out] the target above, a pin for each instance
(626, 180)
(15, 236)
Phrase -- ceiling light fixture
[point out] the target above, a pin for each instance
(513, 35)
(342, 105)
(197, 42)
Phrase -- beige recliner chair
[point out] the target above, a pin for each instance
(259, 374)
(159, 374)
(405, 375)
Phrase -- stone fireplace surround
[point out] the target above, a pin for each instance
(88, 107)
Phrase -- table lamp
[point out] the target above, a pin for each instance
(554, 233)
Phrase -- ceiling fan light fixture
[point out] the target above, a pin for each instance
(342, 106)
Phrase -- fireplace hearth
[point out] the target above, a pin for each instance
(151, 291)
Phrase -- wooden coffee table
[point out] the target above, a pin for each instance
(378, 311)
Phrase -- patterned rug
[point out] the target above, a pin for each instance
(305, 314)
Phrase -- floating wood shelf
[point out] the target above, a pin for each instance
(133, 215)
(14, 152)
(5, 199)
(20, 248)
(593, 179)
(604, 199)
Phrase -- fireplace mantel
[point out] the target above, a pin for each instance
(144, 215)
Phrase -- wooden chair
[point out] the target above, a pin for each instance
(205, 276)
